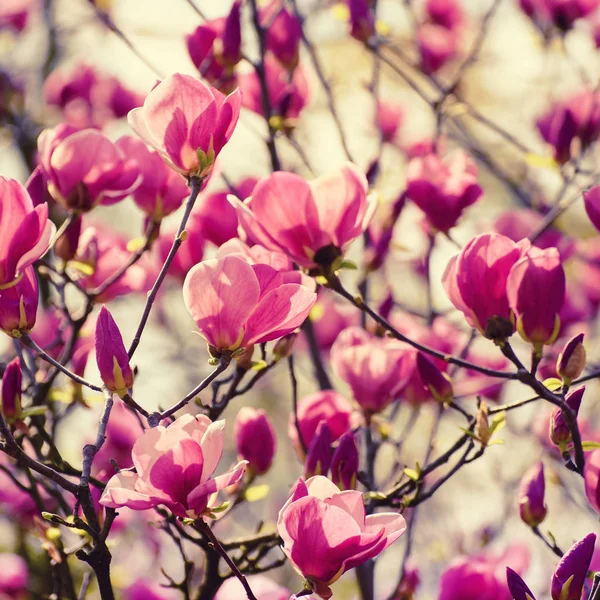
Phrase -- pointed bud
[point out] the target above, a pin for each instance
(285, 346)
(409, 583)
(255, 439)
(531, 496)
(344, 464)
(482, 426)
(18, 305)
(283, 32)
(570, 574)
(438, 383)
(318, 456)
(232, 37)
(11, 391)
(362, 23)
(560, 433)
(571, 360)
(66, 245)
(111, 355)
(518, 588)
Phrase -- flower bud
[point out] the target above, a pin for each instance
(438, 383)
(255, 439)
(591, 200)
(11, 391)
(111, 355)
(283, 32)
(232, 37)
(571, 360)
(18, 305)
(591, 476)
(560, 433)
(482, 426)
(409, 583)
(318, 456)
(285, 346)
(65, 246)
(362, 23)
(531, 496)
(571, 572)
(518, 588)
(344, 464)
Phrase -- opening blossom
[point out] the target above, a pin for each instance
(326, 532)
(174, 467)
(187, 123)
(25, 231)
(236, 305)
(312, 222)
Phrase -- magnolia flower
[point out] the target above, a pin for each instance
(236, 305)
(187, 123)
(255, 438)
(174, 467)
(25, 231)
(326, 532)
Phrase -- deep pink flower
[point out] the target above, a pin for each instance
(262, 587)
(389, 117)
(187, 123)
(65, 246)
(532, 508)
(18, 305)
(362, 20)
(518, 588)
(560, 433)
(484, 264)
(236, 305)
(111, 355)
(10, 394)
(255, 439)
(319, 453)
(536, 292)
(571, 571)
(577, 116)
(560, 13)
(436, 381)
(14, 576)
(592, 479)
(312, 222)
(326, 532)
(328, 406)
(148, 590)
(215, 218)
(161, 190)
(84, 168)
(375, 368)
(283, 32)
(14, 14)
(287, 97)
(345, 462)
(571, 360)
(25, 231)
(190, 253)
(174, 468)
(447, 13)
(591, 199)
(443, 188)
(437, 45)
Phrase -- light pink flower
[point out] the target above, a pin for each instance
(312, 222)
(174, 467)
(262, 587)
(236, 305)
(84, 168)
(187, 123)
(25, 231)
(326, 532)
(389, 117)
(14, 576)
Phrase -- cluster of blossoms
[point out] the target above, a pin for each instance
(260, 265)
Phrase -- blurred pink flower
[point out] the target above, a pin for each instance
(236, 305)
(283, 32)
(14, 14)
(14, 576)
(326, 532)
(437, 45)
(255, 439)
(532, 489)
(262, 587)
(389, 117)
(174, 467)
(187, 123)
(560, 13)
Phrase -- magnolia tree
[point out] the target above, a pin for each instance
(387, 283)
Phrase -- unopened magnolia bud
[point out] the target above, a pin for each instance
(409, 583)
(560, 434)
(232, 37)
(518, 588)
(11, 391)
(438, 383)
(531, 496)
(66, 245)
(284, 347)
(344, 464)
(111, 355)
(482, 426)
(18, 305)
(318, 456)
(571, 572)
(255, 439)
(362, 22)
(571, 360)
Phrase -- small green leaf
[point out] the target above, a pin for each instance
(552, 383)
(348, 264)
(498, 422)
(411, 474)
(258, 365)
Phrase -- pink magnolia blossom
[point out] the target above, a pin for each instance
(532, 489)
(161, 190)
(326, 532)
(215, 218)
(437, 45)
(443, 187)
(14, 576)
(389, 117)
(571, 572)
(187, 123)
(84, 168)
(14, 14)
(484, 264)
(536, 292)
(236, 305)
(312, 222)
(375, 368)
(447, 13)
(560, 13)
(148, 590)
(362, 20)
(283, 32)
(262, 587)
(25, 231)
(592, 479)
(19, 304)
(287, 97)
(10, 391)
(174, 467)
(255, 439)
